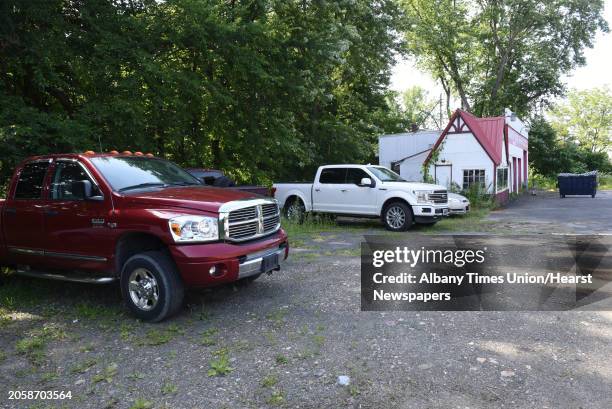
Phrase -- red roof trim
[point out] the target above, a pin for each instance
(476, 131)
(442, 135)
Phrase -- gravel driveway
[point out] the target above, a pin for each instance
(285, 340)
(547, 212)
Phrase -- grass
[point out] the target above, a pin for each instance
(473, 221)
(208, 337)
(277, 317)
(140, 403)
(312, 225)
(107, 375)
(220, 366)
(277, 398)
(281, 359)
(83, 366)
(169, 388)
(33, 346)
(91, 311)
(605, 182)
(269, 381)
(155, 337)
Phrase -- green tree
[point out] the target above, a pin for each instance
(263, 89)
(585, 118)
(495, 54)
(419, 108)
(550, 153)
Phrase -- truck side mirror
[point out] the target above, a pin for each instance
(83, 190)
(366, 182)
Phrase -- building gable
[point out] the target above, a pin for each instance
(489, 132)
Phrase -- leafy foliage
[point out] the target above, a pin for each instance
(497, 54)
(585, 118)
(550, 154)
(263, 89)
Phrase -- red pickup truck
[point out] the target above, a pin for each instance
(139, 220)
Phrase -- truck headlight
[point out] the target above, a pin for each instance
(185, 229)
(422, 196)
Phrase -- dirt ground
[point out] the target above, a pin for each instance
(285, 340)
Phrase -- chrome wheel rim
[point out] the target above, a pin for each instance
(143, 288)
(396, 217)
(294, 212)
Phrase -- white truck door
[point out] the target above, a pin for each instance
(359, 199)
(328, 189)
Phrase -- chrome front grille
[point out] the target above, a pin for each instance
(240, 215)
(439, 196)
(249, 219)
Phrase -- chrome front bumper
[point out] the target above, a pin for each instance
(252, 264)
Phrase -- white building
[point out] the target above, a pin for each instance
(491, 152)
(405, 153)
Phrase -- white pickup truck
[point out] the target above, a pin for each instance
(364, 191)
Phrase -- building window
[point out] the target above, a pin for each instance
(502, 179)
(395, 166)
(473, 177)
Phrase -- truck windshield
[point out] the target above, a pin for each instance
(133, 172)
(385, 175)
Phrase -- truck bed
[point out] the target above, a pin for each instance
(303, 190)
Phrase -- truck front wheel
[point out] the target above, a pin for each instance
(151, 286)
(397, 216)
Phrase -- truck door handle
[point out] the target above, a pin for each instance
(11, 210)
(51, 212)
(317, 190)
(343, 190)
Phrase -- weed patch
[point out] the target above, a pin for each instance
(220, 366)
(277, 398)
(208, 337)
(84, 366)
(169, 388)
(269, 381)
(107, 375)
(141, 404)
(281, 359)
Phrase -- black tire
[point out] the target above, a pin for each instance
(294, 210)
(170, 291)
(392, 216)
(224, 181)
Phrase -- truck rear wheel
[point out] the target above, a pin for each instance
(295, 210)
(151, 286)
(397, 216)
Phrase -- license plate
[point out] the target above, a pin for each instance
(269, 263)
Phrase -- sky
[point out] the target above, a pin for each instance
(595, 73)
